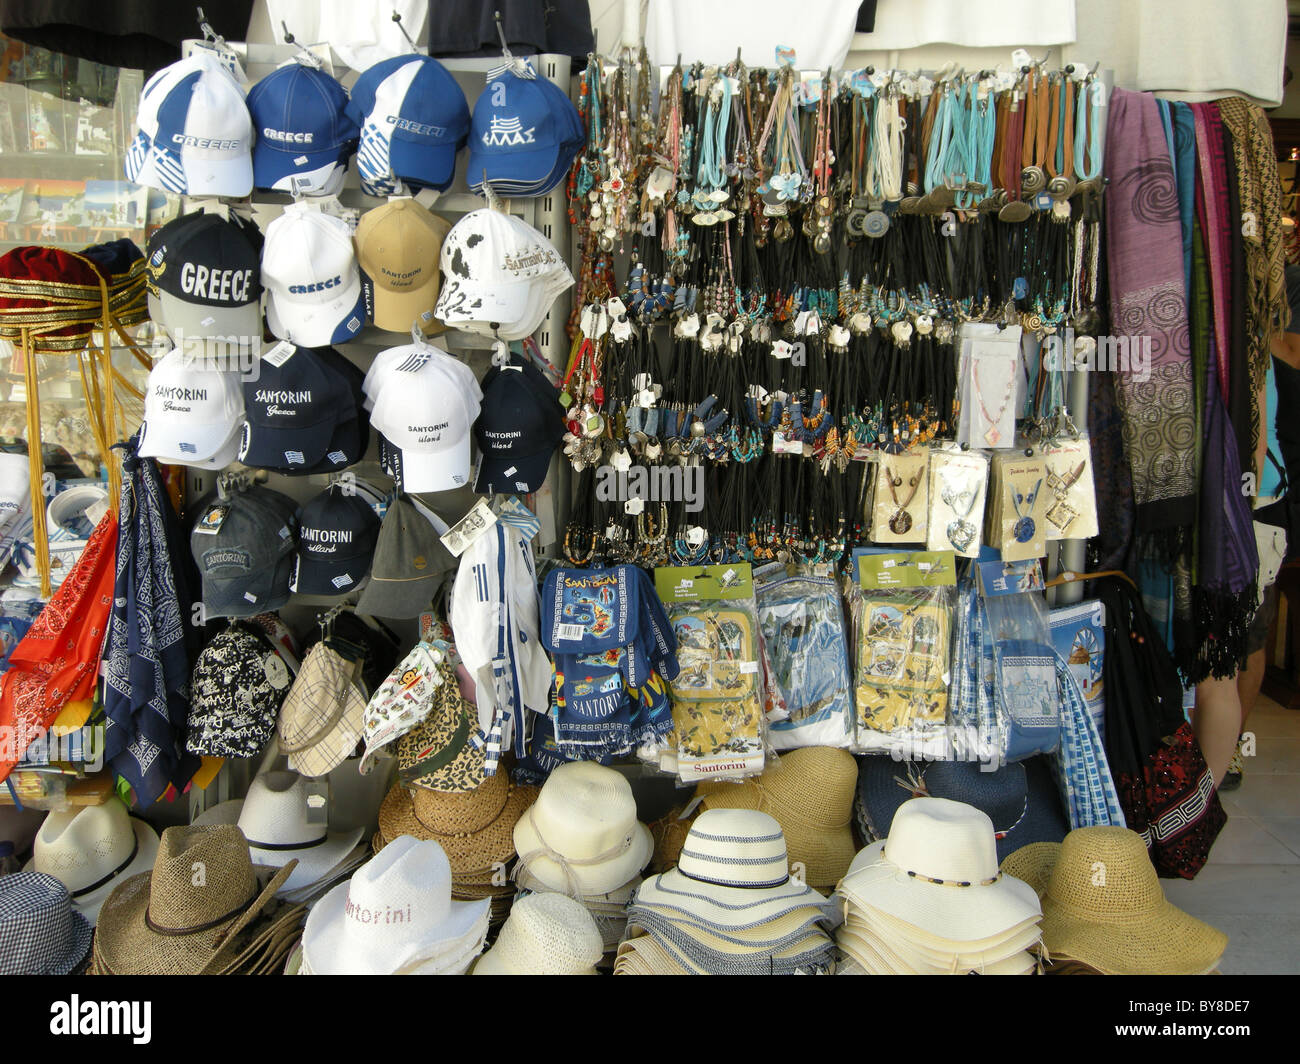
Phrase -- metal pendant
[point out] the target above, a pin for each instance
(1015, 211)
(1062, 515)
(853, 224)
(876, 224)
(1032, 179)
(901, 523)
(1024, 529)
(783, 230)
(961, 534)
(941, 199)
(910, 205)
(1060, 187)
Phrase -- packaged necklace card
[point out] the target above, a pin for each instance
(1016, 524)
(958, 486)
(1070, 510)
(903, 611)
(801, 619)
(902, 496)
(717, 698)
(988, 376)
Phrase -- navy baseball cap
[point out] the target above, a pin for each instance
(413, 118)
(337, 531)
(303, 412)
(305, 134)
(518, 429)
(522, 136)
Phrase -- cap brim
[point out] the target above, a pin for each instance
(319, 576)
(423, 165)
(318, 324)
(398, 599)
(189, 323)
(524, 168)
(297, 450)
(228, 596)
(185, 441)
(219, 177)
(511, 474)
(277, 170)
(500, 304)
(440, 471)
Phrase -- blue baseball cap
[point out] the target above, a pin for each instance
(414, 119)
(519, 426)
(305, 134)
(523, 135)
(337, 532)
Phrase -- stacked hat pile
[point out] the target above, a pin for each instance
(523, 135)
(423, 402)
(582, 838)
(474, 828)
(730, 907)
(500, 276)
(172, 921)
(305, 135)
(546, 934)
(285, 821)
(809, 792)
(1119, 924)
(395, 916)
(930, 900)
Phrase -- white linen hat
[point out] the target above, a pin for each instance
(92, 850)
(395, 914)
(582, 836)
(545, 934)
(938, 871)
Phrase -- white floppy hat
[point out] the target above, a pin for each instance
(394, 915)
(733, 874)
(938, 871)
(92, 850)
(582, 836)
(545, 934)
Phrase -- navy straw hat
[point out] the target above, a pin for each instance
(1020, 798)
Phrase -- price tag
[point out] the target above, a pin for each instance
(634, 507)
(280, 354)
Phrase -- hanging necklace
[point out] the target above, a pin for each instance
(1062, 514)
(993, 420)
(1025, 526)
(901, 522)
(961, 533)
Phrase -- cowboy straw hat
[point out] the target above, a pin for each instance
(733, 874)
(1020, 797)
(92, 849)
(582, 836)
(810, 793)
(395, 913)
(474, 828)
(938, 871)
(275, 816)
(187, 914)
(545, 934)
(1103, 905)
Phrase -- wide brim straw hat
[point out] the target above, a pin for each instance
(810, 793)
(476, 829)
(643, 955)
(1103, 905)
(132, 936)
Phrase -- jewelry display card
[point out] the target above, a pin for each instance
(988, 378)
(958, 489)
(1017, 527)
(1069, 490)
(902, 497)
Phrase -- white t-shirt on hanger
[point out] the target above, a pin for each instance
(361, 32)
(902, 24)
(710, 31)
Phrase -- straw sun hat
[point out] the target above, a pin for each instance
(546, 934)
(1103, 905)
(475, 829)
(810, 794)
(184, 916)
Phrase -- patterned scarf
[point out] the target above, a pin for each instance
(1148, 299)
(1260, 191)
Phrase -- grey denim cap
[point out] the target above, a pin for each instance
(247, 564)
(409, 564)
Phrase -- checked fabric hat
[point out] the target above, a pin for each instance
(321, 719)
(40, 932)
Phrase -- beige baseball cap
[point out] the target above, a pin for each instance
(398, 248)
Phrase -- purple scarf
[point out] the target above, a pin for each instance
(1148, 298)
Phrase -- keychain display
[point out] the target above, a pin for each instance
(717, 698)
(958, 483)
(903, 615)
(801, 617)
